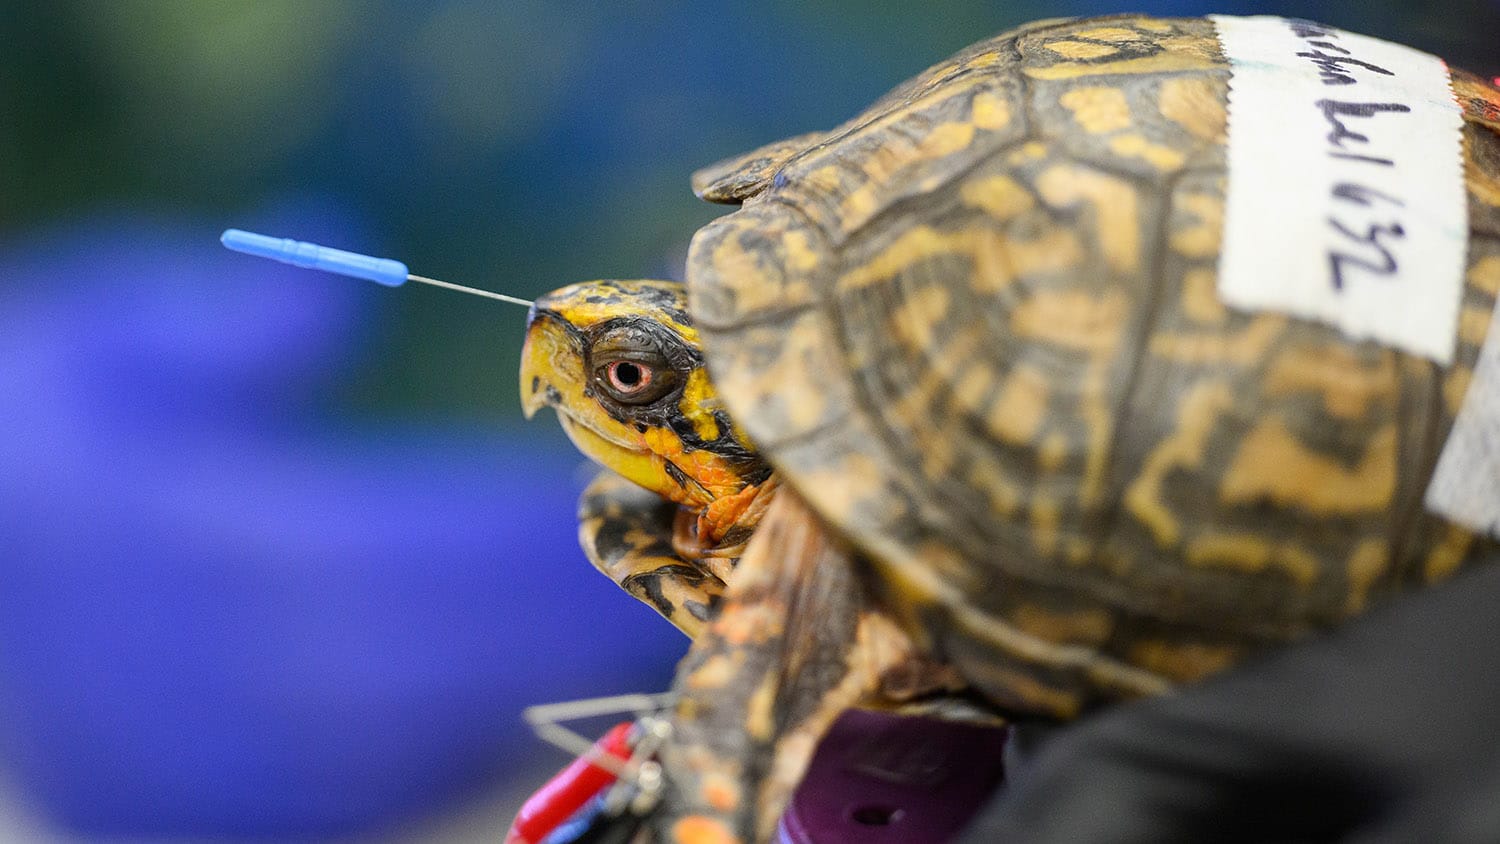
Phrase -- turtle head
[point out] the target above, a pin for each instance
(621, 364)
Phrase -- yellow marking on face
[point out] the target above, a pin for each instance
(1485, 274)
(1200, 298)
(1271, 463)
(1113, 200)
(1203, 238)
(1474, 324)
(999, 196)
(1367, 562)
(1019, 410)
(1244, 348)
(1132, 145)
(990, 111)
(1167, 61)
(1184, 662)
(1455, 387)
(549, 356)
(1075, 626)
(1046, 515)
(1445, 557)
(1197, 415)
(698, 403)
(1098, 110)
(1193, 103)
(1347, 382)
(641, 468)
(1080, 49)
(713, 475)
(573, 301)
(1250, 553)
(1151, 25)
(553, 360)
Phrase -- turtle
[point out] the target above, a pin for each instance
(949, 412)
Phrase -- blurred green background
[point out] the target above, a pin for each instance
(516, 146)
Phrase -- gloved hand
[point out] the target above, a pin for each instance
(1387, 730)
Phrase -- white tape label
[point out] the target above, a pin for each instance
(1465, 486)
(1346, 200)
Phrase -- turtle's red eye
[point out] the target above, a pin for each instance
(629, 366)
(628, 377)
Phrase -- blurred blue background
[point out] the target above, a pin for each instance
(278, 559)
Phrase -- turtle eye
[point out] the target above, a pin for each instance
(628, 377)
(630, 381)
(631, 367)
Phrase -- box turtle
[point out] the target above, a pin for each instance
(949, 412)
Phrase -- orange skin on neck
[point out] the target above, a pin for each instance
(725, 512)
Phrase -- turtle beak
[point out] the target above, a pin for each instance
(551, 363)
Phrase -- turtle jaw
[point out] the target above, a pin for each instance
(552, 375)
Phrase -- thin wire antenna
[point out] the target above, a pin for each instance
(473, 291)
(384, 271)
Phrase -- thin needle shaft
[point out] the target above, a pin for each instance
(472, 290)
(312, 256)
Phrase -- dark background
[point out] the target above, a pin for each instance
(278, 558)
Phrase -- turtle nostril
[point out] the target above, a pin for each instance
(536, 384)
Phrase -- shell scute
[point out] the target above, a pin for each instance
(1073, 471)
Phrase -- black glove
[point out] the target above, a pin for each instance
(1387, 730)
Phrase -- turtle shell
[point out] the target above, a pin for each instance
(977, 329)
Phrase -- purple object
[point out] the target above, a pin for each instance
(886, 778)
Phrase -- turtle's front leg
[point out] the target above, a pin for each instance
(626, 532)
(795, 643)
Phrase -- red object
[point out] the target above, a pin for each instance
(566, 792)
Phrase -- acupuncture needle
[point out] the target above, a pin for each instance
(386, 271)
